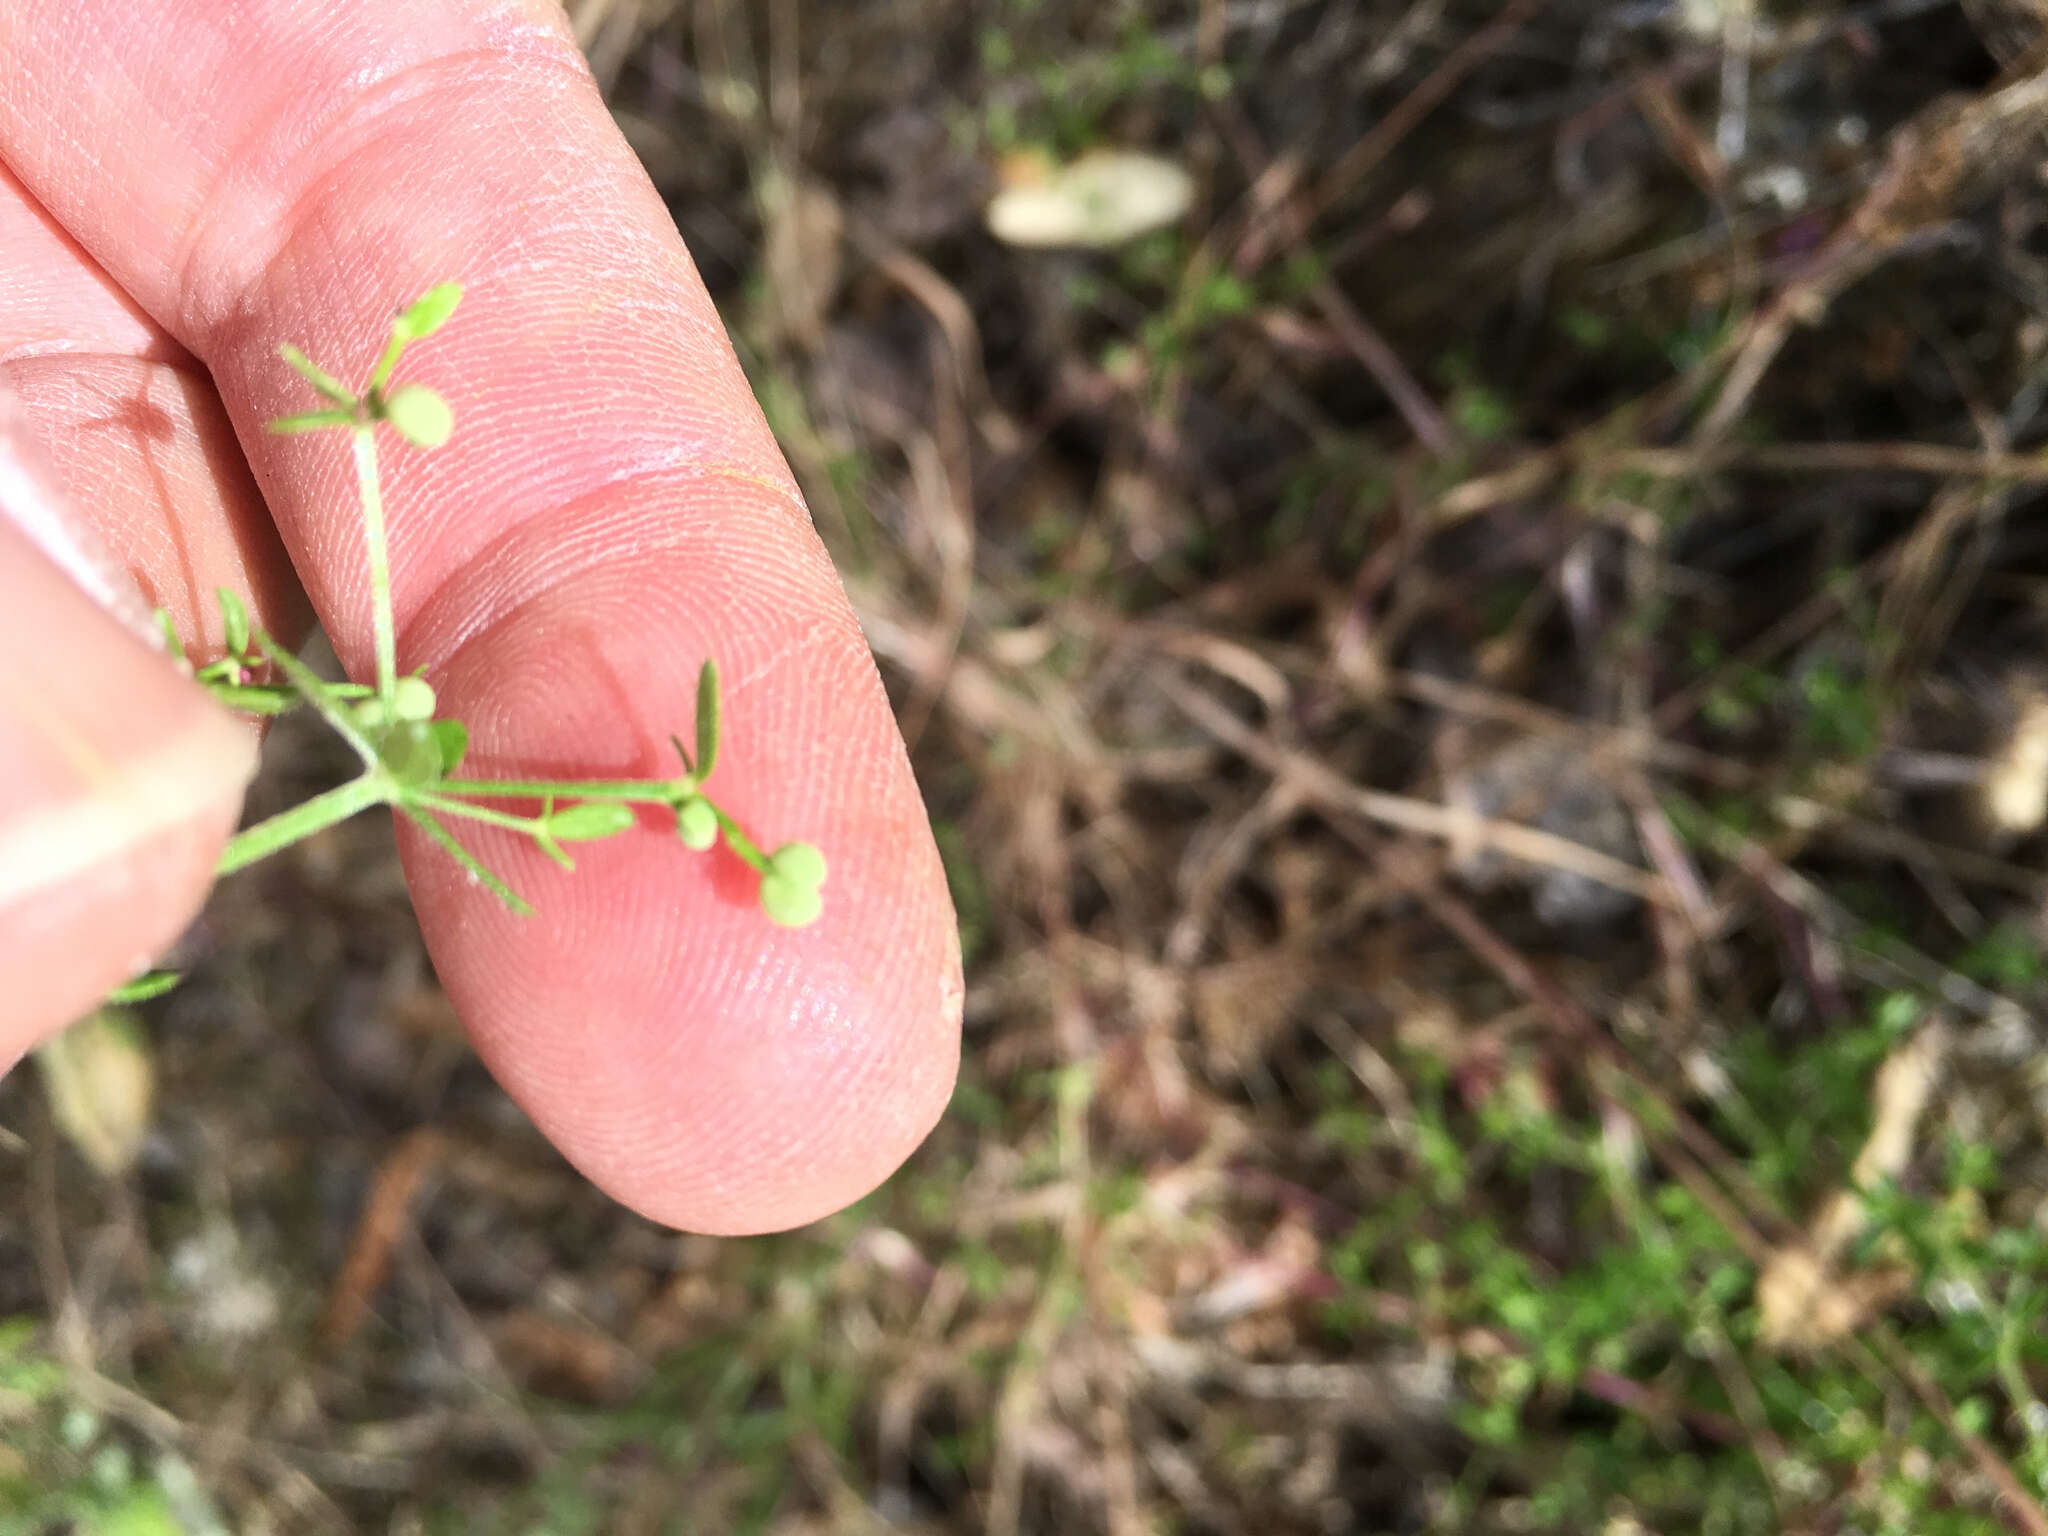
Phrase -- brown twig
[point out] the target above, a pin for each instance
(1274, 198)
(1434, 88)
(384, 1215)
(2026, 1509)
(1330, 790)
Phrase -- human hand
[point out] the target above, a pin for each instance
(183, 186)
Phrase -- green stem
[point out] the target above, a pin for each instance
(272, 698)
(642, 791)
(448, 805)
(381, 374)
(428, 823)
(534, 827)
(317, 693)
(742, 844)
(646, 791)
(365, 441)
(2011, 1339)
(253, 698)
(323, 381)
(302, 821)
(310, 421)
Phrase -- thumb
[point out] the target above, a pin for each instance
(119, 779)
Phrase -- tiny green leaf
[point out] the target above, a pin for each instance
(311, 421)
(171, 640)
(798, 863)
(420, 416)
(789, 903)
(318, 377)
(431, 824)
(235, 620)
(144, 987)
(429, 312)
(254, 698)
(590, 821)
(696, 824)
(707, 719)
(452, 737)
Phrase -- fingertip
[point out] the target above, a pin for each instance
(710, 1068)
(119, 783)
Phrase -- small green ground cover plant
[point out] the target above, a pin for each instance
(411, 754)
(1637, 1374)
(68, 1465)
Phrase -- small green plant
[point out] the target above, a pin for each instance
(411, 754)
(65, 1466)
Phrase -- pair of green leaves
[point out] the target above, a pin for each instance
(790, 885)
(415, 412)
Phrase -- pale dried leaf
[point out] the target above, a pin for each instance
(1803, 1304)
(1898, 1098)
(1802, 1301)
(101, 1083)
(2015, 788)
(1103, 199)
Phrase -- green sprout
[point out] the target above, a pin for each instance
(411, 755)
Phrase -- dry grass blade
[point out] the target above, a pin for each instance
(1802, 1301)
(386, 1210)
(1360, 160)
(1330, 791)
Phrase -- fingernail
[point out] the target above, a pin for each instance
(102, 745)
(120, 780)
(31, 502)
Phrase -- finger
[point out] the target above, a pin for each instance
(611, 512)
(119, 780)
(133, 434)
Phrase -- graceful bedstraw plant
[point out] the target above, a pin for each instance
(412, 755)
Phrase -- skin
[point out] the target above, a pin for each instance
(186, 184)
